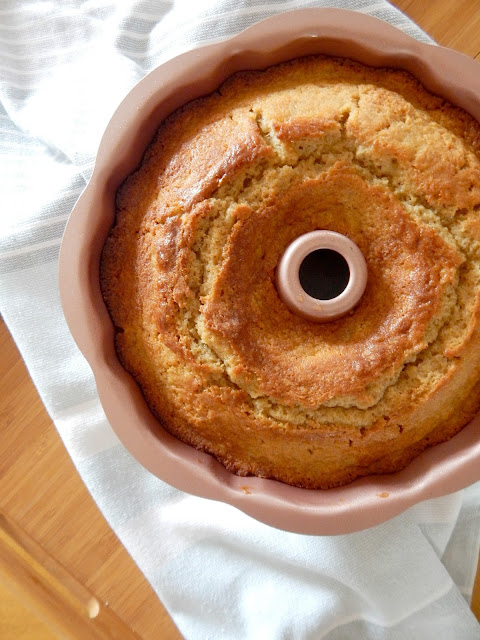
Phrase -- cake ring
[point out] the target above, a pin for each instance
(190, 272)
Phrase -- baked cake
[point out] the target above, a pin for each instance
(188, 271)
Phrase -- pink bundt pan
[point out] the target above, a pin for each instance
(440, 470)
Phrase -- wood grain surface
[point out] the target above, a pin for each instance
(41, 495)
(41, 492)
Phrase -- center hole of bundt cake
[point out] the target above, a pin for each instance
(324, 274)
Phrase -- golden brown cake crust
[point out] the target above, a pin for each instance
(188, 271)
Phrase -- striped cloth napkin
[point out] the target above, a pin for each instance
(64, 66)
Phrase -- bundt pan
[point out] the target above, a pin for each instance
(365, 502)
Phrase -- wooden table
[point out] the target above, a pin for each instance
(54, 523)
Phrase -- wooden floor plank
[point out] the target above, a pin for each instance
(41, 491)
(451, 23)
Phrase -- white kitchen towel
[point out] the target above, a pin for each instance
(64, 67)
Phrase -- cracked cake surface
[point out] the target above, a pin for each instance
(188, 271)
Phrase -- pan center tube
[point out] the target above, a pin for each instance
(321, 276)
